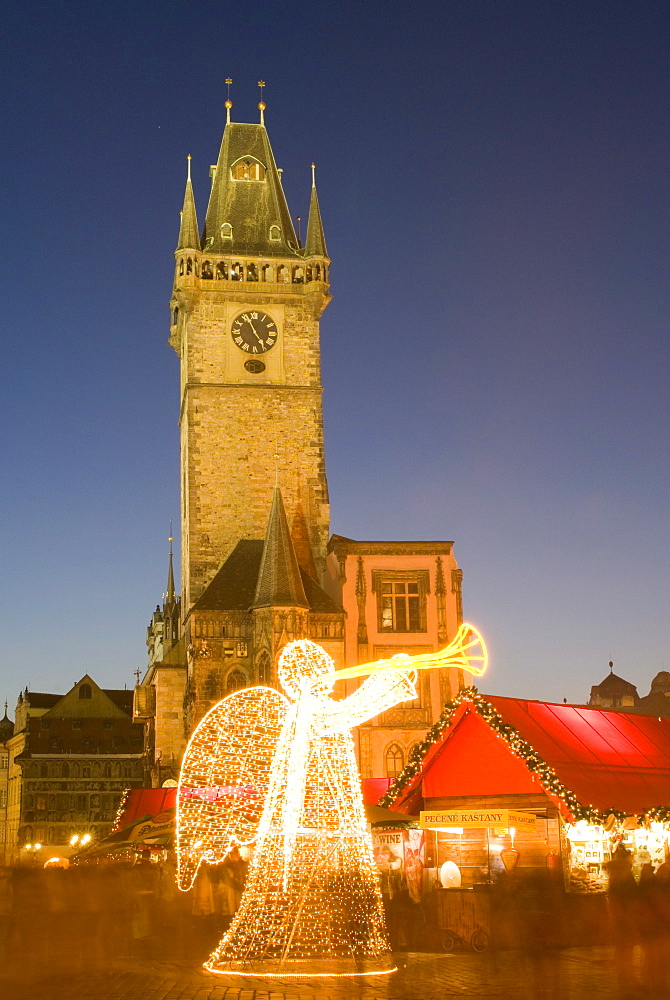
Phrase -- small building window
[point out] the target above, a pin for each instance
(395, 760)
(226, 231)
(275, 233)
(206, 272)
(248, 170)
(85, 691)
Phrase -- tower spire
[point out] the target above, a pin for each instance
(188, 228)
(229, 103)
(170, 594)
(279, 580)
(315, 241)
(261, 104)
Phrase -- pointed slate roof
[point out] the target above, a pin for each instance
(279, 578)
(234, 586)
(188, 228)
(170, 595)
(315, 241)
(251, 207)
(6, 727)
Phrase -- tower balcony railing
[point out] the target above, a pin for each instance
(271, 276)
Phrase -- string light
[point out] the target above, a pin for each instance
(520, 748)
(282, 771)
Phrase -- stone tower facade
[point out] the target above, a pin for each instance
(245, 315)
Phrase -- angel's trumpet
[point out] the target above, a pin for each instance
(467, 651)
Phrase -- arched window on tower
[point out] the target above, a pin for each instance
(235, 681)
(275, 233)
(181, 266)
(248, 170)
(268, 272)
(189, 266)
(207, 270)
(226, 231)
(85, 692)
(264, 668)
(175, 315)
(221, 271)
(395, 760)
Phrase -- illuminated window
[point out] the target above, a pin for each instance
(85, 691)
(248, 170)
(226, 231)
(275, 233)
(264, 668)
(41, 802)
(4, 761)
(401, 600)
(395, 760)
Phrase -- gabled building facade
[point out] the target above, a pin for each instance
(70, 759)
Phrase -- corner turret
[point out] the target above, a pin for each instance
(188, 228)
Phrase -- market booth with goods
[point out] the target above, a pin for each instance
(514, 794)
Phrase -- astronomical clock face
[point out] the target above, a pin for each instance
(254, 331)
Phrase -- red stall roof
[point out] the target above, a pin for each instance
(609, 760)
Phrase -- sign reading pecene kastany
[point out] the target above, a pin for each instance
(504, 818)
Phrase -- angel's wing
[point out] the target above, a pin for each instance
(224, 777)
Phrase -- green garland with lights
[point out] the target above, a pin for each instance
(520, 748)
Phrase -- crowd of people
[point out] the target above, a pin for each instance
(86, 916)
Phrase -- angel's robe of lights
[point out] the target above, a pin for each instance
(312, 904)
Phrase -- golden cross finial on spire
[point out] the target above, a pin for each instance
(137, 675)
(262, 105)
(313, 175)
(170, 538)
(229, 103)
(188, 160)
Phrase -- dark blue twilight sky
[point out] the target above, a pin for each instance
(493, 181)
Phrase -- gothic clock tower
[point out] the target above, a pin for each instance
(246, 305)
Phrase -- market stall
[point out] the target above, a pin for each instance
(580, 780)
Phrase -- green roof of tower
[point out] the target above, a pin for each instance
(248, 205)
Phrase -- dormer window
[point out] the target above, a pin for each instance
(248, 170)
(275, 233)
(226, 231)
(85, 692)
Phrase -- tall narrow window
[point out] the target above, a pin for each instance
(264, 668)
(236, 681)
(395, 760)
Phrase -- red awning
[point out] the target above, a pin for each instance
(608, 759)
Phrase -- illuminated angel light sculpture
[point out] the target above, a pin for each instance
(280, 771)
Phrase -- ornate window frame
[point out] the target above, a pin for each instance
(418, 576)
